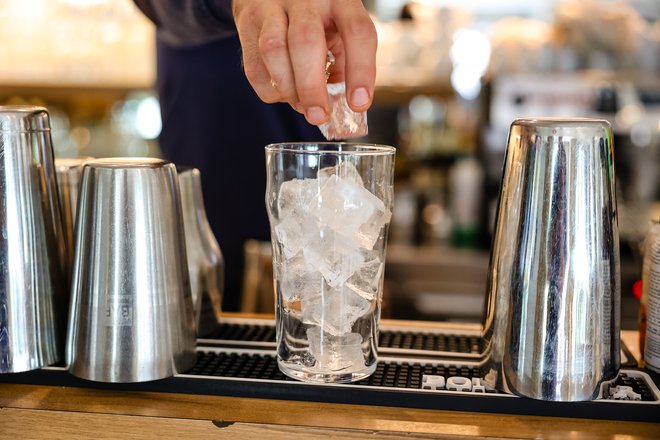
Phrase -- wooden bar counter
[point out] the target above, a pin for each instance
(54, 412)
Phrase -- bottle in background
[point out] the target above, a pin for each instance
(465, 194)
(649, 314)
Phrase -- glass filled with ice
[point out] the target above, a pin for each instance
(329, 206)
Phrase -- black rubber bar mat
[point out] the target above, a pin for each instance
(396, 383)
(397, 339)
(394, 342)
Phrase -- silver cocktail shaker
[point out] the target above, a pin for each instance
(33, 297)
(69, 171)
(131, 306)
(205, 261)
(551, 324)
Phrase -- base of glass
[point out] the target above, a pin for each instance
(309, 375)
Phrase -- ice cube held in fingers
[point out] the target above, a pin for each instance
(344, 123)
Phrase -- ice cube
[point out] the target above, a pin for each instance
(366, 281)
(344, 170)
(343, 205)
(344, 123)
(299, 280)
(335, 310)
(369, 232)
(294, 232)
(347, 207)
(335, 256)
(335, 353)
(295, 195)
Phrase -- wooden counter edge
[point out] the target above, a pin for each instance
(312, 414)
(195, 408)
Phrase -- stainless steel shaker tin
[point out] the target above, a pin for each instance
(650, 301)
(131, 307)
(69, 171)
(33, 297)
(205, 261)
(551, 324)
(24, 119)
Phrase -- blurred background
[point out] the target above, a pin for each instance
(452, 75)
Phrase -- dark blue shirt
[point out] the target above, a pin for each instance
(214, 121)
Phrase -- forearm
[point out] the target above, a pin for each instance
(188, 22)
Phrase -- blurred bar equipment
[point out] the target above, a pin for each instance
(68, 172)
(205, 261)
(551, 324)
(32, 251)
(131, 306)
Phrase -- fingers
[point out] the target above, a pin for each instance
(264, 33)
(307, 49)
(284, 49)
(249, 24)
(275, 55)
(358, 35)
(297, 107)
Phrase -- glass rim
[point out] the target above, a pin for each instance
(126, 162)
(331, 148)
(552, 122)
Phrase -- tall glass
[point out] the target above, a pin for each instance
(329, 206)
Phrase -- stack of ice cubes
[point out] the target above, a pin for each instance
(328, 232)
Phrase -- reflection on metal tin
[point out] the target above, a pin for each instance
(131, 307)
(33, 293)
(551, 325)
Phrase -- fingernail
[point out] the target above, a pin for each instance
(316, 115)
(360, 97)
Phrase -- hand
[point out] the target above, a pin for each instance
(284, 51)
